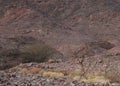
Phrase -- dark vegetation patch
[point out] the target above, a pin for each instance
(32, 53)
(37, 53)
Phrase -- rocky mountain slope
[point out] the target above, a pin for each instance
(72, 29)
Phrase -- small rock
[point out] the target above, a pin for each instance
(115, 84)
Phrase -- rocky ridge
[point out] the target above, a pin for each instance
(83, 33)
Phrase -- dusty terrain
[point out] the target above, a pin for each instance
(84, 35)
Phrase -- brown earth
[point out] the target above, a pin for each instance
(86, 29)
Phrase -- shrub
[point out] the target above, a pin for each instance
(37, 53)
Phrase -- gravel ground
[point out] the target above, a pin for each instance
(13, 77)
(16, 79)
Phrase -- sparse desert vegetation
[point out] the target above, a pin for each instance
(59, 42)
(37, 53)
(33, 53)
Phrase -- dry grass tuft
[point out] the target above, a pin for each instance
(53, 74)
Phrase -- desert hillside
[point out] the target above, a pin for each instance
(77, 39)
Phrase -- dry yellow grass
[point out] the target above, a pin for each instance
(76, 74)
(42, 72)
(24, 71)
(33, 70)
(53, 74)
(72, 75)
(96, 79)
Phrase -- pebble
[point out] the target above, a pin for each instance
(17, 79)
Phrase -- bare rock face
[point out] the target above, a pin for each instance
(114, 51)
(76, 28)
(70, 50)
(85, 49)
(62, 21)
(93, 20)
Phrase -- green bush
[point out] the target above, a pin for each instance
(37, 53)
